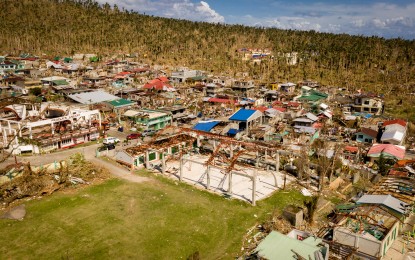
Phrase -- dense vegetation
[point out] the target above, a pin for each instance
(70, 26)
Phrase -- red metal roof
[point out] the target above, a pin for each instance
(395, 121)
(277, 102)
(390, 149)
(281, 109)
(352, 149)
(293, 104)
(124, 73)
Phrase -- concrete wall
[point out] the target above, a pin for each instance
(125, 158)
(390, 238)
(365, 245)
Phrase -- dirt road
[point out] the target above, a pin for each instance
(89, 153)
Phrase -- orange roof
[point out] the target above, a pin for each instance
(397, 173)
(157, 84)
(352, 149)
(261, 108)
(403, 163)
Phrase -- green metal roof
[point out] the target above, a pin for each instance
(120, 102)
(314, 96)
(277, 246)
(60, 82)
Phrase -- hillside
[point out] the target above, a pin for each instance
(68, 26)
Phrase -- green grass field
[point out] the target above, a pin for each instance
(117, 219)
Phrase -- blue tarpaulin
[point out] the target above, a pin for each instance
(233, 131)
(205, 126)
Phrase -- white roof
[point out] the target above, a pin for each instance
(328, 114)
(392, 135)
(311, 116)
(53, 78)
(324, 106)
(93, 97)
(394, 127)
(130, 113)
(288, 84)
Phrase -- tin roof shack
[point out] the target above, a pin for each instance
(306, 123)
(311, 95)
(371, 225)
(278, 246)
(149, 119)
(366, 135)
(246, 119)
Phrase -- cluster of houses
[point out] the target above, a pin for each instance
(51, 103)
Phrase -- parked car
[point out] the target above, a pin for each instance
(133, 136)
(111, 140)
(106, 147)
(148, 132)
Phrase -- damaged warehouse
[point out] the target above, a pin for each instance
(242, 170)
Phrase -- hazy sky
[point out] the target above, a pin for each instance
(388, 18)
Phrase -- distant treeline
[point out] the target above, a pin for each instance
(66, 27)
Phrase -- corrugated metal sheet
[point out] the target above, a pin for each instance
(205, 126)
(386, 200)
(245, 115)
(92, 97)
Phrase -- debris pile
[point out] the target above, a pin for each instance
(30, 183)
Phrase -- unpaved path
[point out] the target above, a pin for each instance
(89, 153)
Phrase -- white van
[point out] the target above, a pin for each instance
(110, 140)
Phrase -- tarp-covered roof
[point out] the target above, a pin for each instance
(233, 131)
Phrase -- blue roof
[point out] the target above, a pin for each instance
(242, 115)
(233, 131)
(205, 126)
